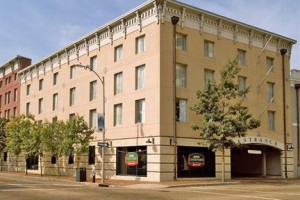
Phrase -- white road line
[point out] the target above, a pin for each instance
(232, 195)
(239, 190)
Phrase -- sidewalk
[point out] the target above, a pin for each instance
(135, 184)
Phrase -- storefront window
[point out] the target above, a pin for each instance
(132, 161)
(196, 162)
(32, 163)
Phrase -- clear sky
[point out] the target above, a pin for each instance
(38, 28)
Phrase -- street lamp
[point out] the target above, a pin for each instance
(103, 144)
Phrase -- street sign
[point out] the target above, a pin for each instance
(103, 144)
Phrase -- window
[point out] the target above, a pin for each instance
(27, 108)
(242, 85)
(72, 72)
(140, 44)
(16, 76)
(72, 96)
(270, 63)
(118, 83)
(7, 113)
(208, 49)
(241, 57)
(93, 119)
(117, 114)
(270, 91)
(118, 53)
(71, 158)
(40, 106)
(91, 155)
(55, 101)
(140, 77)
(5, 156)
(140, 111)
(93, 89)
(180, 42)
(71, 116)
(180, 76)
(15, 94)
(7, 98)
(15, 111)
(181, 110)
(55, 78)
(93, 63)
(271, 119)
(53, 160)
(137, 170)
(41, 82)
(28, 89)
(0, 84)
(32, 162)
(208, 77)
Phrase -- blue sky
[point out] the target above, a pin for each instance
(37, 28)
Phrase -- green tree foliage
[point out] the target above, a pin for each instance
(220, 107)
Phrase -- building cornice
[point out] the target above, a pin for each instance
(159, 11)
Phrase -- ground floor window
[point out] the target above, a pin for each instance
(132, 161)
(196, 162)
(5, 156)
(32, 163)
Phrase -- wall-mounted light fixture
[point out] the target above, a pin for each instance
(150, 140)
(290, 147)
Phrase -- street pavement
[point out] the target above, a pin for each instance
(21, 187)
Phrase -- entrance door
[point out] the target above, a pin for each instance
(255, 161)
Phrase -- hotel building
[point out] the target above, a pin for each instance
(154, 59)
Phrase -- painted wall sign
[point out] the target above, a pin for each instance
(196, 160)
(260, 140)
(131, 159)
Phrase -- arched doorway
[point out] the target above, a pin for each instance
(261, 157)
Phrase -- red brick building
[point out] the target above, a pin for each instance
(10, 87)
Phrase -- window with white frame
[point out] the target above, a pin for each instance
(93, 63)
(140, 44)
(271, 91)
(181, 42)
(208, 49)
(242, 85)
(93, 119)
(140, 77)
(241, 57)
(72, 96)
(72, 72)
(41, 84)
(93, 89)
(118, 81)
(55, 78)
(118, 53)
(270, 63)
(181, 76)
(40, 109)
(140, 111)
(117, 114)
(208, 77)
(55, 101)
(271, 120)
(181, 110)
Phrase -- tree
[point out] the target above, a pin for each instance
(223, 116)
(79, 136)
(3, 122)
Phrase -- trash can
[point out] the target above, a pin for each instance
(81, 174)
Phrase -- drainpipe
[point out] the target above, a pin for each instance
(174, 20)
(283, 52)
(297, 87)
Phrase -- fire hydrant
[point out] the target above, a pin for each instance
(94, 173)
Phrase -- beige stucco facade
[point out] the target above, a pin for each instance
(153, 21)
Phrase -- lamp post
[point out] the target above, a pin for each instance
(103, 145)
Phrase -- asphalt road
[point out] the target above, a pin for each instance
(32, 188)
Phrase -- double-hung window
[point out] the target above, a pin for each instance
(181, 76)
(242, 85)
(118, 79)
(72, 96)
(140, 44)
(181, 110)
(93, 63)
(181, 42)
(55, 101)
(55, 78)
(93, 89)
(93, 119)
(140, 111)
(270, 63)
(140, 77)
(41, 84)
(118, 53)
(241, 57)
(271, 120)
(118, 114)
(208, 77)
(208, 49)
(40, 110)
(271, 91)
